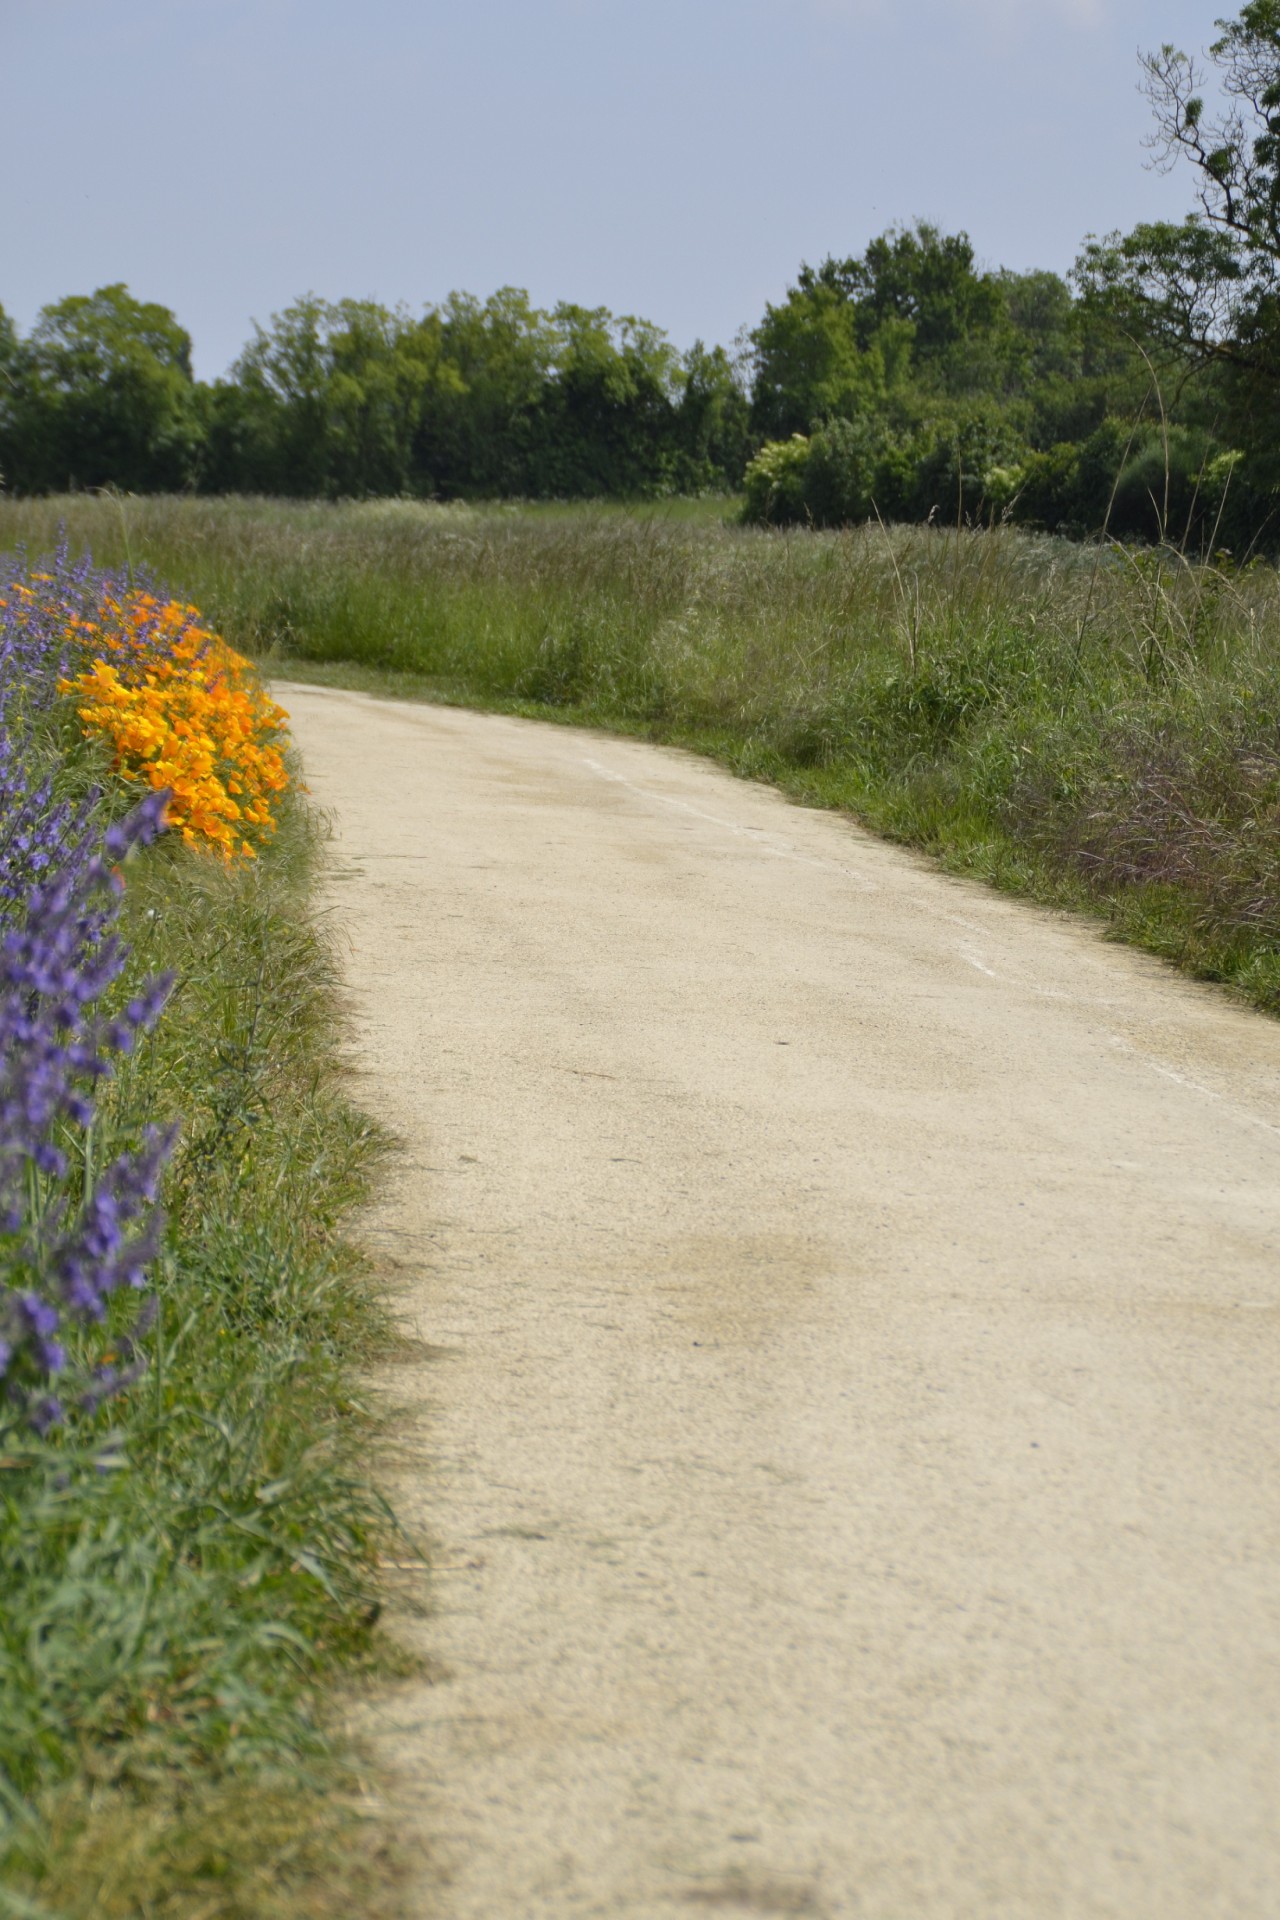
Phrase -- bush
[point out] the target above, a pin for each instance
(963, 463)
(955, 458)
(847, 461)
(774, 483)
(1141, 484)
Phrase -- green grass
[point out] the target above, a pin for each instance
(173, 1623)
(1095, 728)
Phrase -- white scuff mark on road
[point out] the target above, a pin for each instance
(758, 836)
(1158, 1067)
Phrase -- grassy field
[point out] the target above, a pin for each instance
(184, 1578)
(1093, 727)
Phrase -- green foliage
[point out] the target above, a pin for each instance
(325, 403)
(606, 415)
(924, 278)
(1172, 484)
(350, 399)
(478, 417)
(714, 427)
(1203, 295)
(862, 335)
(961, 462)
(845, 476)
(101, 394)
(10, 378)
(958, 455)
(926, 388)
(810, 365)
(775, 482)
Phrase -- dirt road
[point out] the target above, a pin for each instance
(849, 1425)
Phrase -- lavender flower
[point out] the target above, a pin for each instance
(63, 1254)
(38, 621)
(69, 1239)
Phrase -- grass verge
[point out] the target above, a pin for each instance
(182, 1585)
(1093, 727)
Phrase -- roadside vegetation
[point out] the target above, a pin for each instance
(1092, 726)
(188, 1543)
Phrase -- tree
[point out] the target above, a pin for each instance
(1208, 289)
(714, 428)
(478, 416)
(853, 335)
(104, 396)
(608, 418)
(922, 276)
(10, 376)
(1200, 299)
(325, 401)
(808, 363)
(380, 364)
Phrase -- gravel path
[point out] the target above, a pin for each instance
(847, 1413)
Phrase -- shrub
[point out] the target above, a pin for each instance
(774, 483)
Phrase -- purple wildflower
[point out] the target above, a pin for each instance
(64, 1260)
(68, 1241)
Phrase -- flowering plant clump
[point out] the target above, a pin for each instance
(69, 1238)
(183, 713)
(40, 615)
(79, 1218)
(38, 833)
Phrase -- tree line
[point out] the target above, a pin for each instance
(351, 398)
(1138, 393)
(1141, 394)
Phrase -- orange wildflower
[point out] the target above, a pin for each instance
(183, 710)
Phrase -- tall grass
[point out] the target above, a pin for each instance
(1093, 726)
(180, 1585)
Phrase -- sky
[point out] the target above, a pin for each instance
(673, 159)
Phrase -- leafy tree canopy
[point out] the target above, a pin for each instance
(1208, 288)
(853, 333)
(106, 394)
(918, 275)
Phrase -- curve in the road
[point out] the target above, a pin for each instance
(850, 1432)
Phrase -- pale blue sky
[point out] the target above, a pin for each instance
(677, 161)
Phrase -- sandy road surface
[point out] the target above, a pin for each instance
(851, 1435)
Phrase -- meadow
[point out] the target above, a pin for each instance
(1094, 726)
